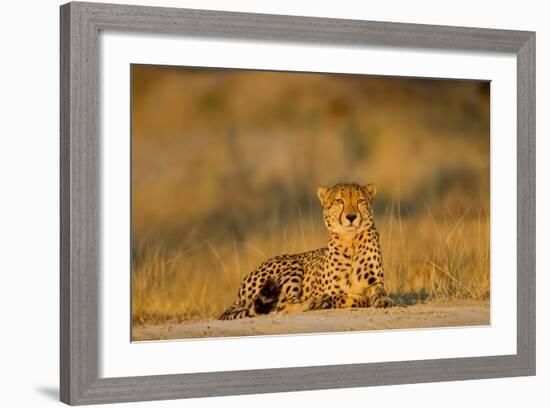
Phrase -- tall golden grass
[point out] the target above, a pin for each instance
(425, 259)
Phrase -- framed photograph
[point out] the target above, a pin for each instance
(260, 203)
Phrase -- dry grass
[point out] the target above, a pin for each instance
(424, 258)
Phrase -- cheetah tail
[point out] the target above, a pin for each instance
(265, 302)
(236, 311)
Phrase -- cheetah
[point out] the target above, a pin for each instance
(348, 272)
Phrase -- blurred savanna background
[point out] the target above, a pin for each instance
(226, 163)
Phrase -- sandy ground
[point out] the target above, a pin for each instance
(436, 314)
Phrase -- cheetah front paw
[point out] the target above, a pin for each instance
(324, 302)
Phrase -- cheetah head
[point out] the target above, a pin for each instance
(347, 208)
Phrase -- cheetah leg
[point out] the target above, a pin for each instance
(339, 301)
(377, 296)
(290, 298)
(290, 301)
(292, 304)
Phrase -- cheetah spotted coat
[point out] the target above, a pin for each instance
(346, 273)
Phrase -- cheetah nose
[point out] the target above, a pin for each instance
(351, 217)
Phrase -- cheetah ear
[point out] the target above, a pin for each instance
(322, 194)
(371, 189)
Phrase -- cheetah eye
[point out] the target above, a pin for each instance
(361, 201)
(339, 201)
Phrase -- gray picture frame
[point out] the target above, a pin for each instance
(81, 24)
